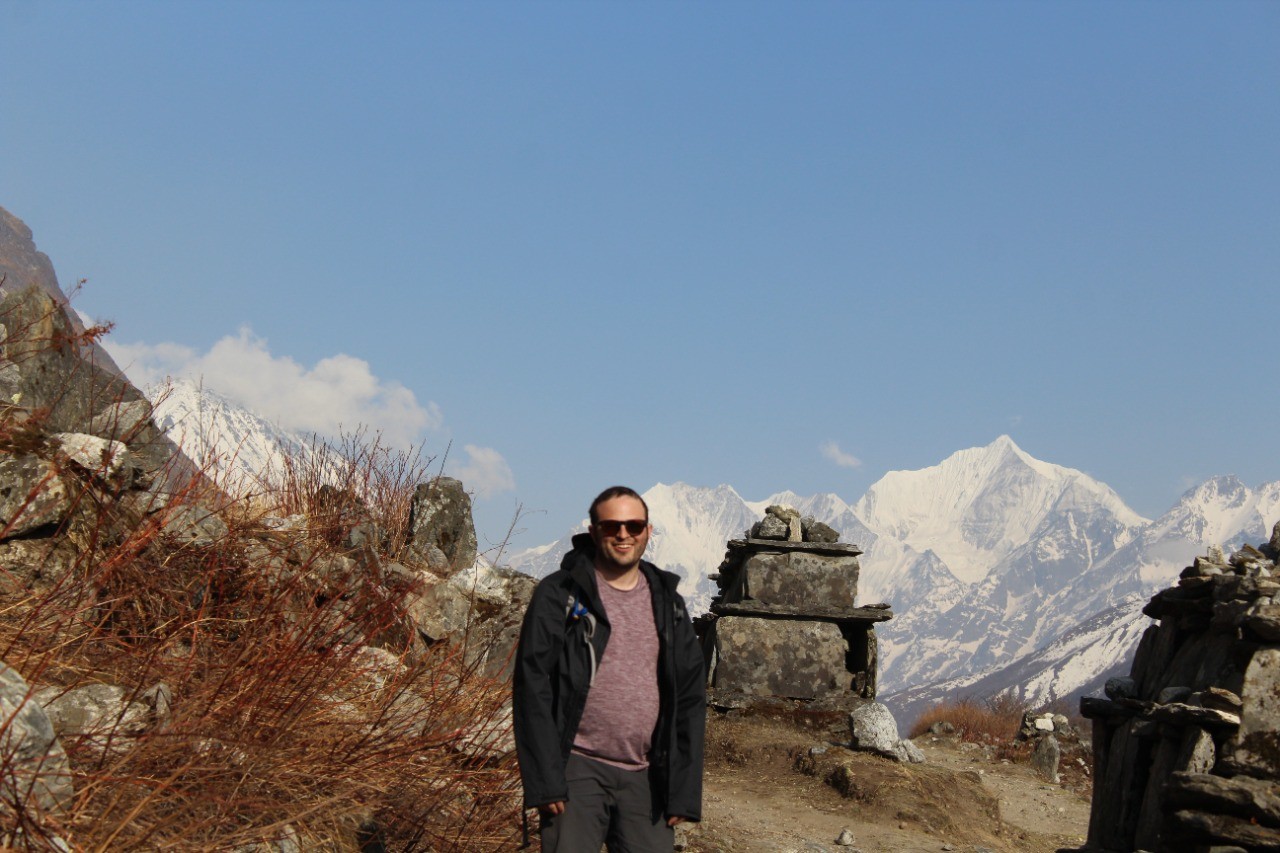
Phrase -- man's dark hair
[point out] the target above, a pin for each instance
(616, 492)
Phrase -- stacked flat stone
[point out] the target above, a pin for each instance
(786, 621)
(1187, 748)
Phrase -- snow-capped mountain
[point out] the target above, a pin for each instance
(978, 506)
(238, 448)
(1023, 532)
(1005, 572)
(1075, 664)
(1221, 511)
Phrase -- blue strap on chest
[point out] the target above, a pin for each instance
(576, 611)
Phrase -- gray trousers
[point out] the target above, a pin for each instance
(607, 805)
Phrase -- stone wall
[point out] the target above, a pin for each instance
(1186, 751)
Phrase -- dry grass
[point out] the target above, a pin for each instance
(991, 721)
(302, 705)
(357, 474)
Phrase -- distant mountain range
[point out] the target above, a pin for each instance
(1007, 573)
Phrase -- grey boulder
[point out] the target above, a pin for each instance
(37, 775)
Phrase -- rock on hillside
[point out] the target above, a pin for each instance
(22, 265)
(48, 364)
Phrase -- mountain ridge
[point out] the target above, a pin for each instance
(238, 447)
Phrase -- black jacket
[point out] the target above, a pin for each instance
(554, 665)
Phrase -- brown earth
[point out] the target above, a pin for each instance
(779, 785)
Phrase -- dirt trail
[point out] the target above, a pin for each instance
(757, 799)
(1026, 800)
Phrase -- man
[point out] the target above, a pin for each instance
(610, 693)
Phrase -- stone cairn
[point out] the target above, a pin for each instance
(1186, 749)
(1043, 731)
(786, 623)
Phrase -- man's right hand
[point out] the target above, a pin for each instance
(553, 808)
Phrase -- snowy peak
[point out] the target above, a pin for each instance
(826, 507)
(678, 503)
(1221, 511)
(978, 505)
(240, 449)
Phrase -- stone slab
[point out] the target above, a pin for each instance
(1216, 829)
(32, 495)
(1197, 753)
(37, 775)
(1099, 814)
(832, 614)
(780, 657)
(1242, 796)
(1151, 813)
(839, 548)
(1258, 748)
(1180, 714)
(801, 579)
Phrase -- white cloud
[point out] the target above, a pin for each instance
(832, 451)
(486, 473)
(335, 394)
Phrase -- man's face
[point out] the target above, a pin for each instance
(618, 547)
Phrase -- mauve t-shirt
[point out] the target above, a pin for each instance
(622, 705)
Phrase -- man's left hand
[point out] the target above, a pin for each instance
(672, 821)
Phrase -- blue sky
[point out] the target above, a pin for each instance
(776, 245)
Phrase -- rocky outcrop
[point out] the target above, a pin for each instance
(74, 432)
(1187, 747)
(124, 570)
(786, 622)
(441, 531)
(32, 495)
(21, 264)
(50, 363)
(81, 463)
(52, 371)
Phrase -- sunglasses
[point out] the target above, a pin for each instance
(612, 527)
